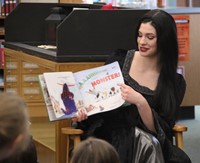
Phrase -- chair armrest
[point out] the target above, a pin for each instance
(71, 131)
(178, 130)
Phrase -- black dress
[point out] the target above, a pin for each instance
(118, 126)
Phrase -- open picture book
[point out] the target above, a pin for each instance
(95, 90)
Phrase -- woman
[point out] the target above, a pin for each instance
(95, 151)
(142, 131)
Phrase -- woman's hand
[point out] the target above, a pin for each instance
(130, 95)
(80, 116)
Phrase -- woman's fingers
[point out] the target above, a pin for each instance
(124, 90)
(80, 116)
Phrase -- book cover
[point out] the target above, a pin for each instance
(95, 90)
(47, 99)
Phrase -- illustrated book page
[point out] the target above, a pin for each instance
(95, 90)
(99, 89)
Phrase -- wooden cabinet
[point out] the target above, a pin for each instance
(21, 77)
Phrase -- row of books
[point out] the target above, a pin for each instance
(7, 6)
(1, 54)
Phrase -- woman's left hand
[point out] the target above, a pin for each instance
(129, 94)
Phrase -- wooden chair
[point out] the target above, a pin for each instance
(74, 134)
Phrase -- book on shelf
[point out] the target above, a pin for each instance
(7, 6)
(93, 90)
(1, 54)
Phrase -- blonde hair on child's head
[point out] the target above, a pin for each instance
(96, 151)
(14, 121)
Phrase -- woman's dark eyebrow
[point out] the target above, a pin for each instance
(152, 34)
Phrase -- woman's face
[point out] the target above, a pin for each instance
(147, 40)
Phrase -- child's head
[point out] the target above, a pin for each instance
(14, 125)
(96, 151)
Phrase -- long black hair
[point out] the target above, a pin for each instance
(167, 48)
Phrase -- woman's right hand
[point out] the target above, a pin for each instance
(80, 116)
